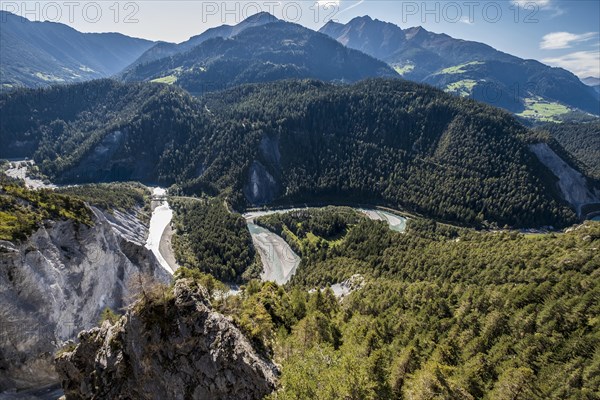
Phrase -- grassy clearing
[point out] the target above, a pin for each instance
(459, 69)
(312, 238)
(462, 88)
(404, 69)
(169, 80)
(545, 111)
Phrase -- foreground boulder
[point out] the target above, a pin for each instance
(170, 345)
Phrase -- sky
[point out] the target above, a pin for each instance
(562, 33)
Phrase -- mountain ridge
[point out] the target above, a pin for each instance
(532, 90)
(274, 51)
(38, 53)
(165, 49)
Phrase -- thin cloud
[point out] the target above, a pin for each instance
(545, 5)
(581, 63)
(467, 20)
(564, 40)
(539, 3)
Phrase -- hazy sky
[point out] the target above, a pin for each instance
(558, 32)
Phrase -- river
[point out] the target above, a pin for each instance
(159, 233)
(162, 215)
(279, 260)
(395, 222)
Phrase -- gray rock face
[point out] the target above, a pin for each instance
(573, 186)
(58, 282)
(261, 188)
(180, 349)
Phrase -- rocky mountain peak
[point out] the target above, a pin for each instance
(262, 17)
(372, 36)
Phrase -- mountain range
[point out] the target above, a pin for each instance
(263, 48)
(37, 54)
(437, 268)
(164, 49)
(525, 87)
(262, 51)
(593, 82)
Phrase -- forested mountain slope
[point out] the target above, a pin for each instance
(391, 142)
(99, 131)
(42, 53)
(440, 311)
(387, 142)
(270, 52)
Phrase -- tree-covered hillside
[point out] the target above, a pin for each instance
(99, 131)
(386, 142)
(392, 143)
(304, 230)
(444, 313)
(212, 240)
(126, 197)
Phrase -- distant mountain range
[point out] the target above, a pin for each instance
(525, 87)
(264, 49)
(41, 53)
(592, 82)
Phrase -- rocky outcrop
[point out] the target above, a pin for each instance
(573, 186)
(352, 284)
(57, 283)
(175, 347)
(260, 188)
